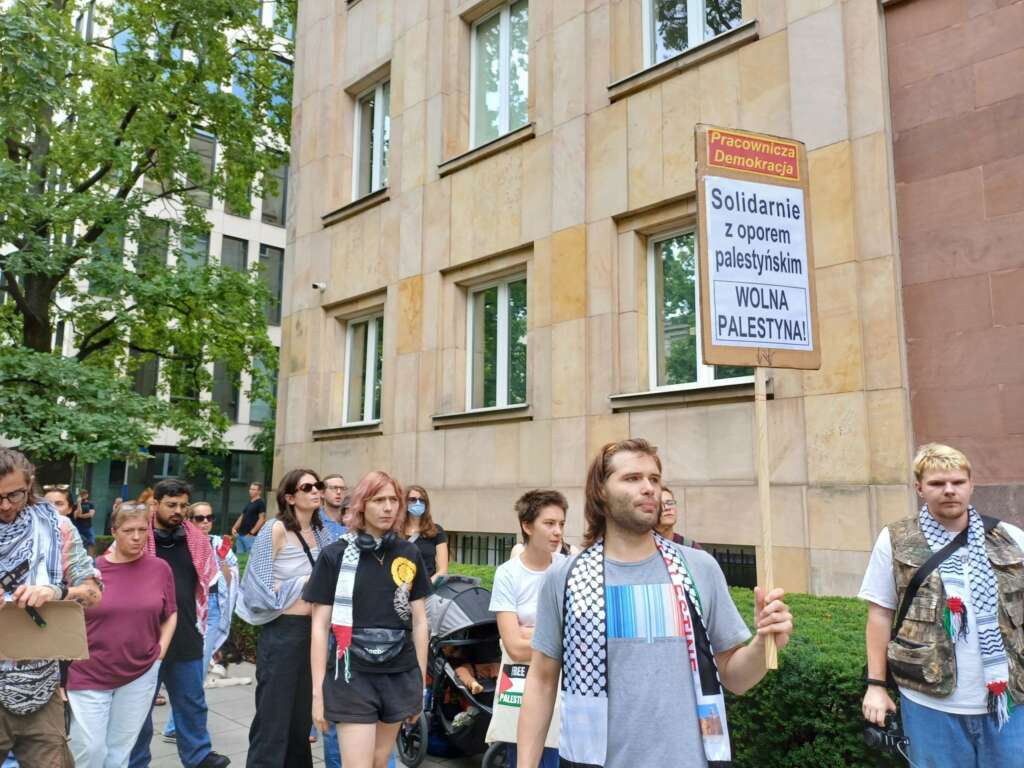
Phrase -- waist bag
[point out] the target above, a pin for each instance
(378, 645)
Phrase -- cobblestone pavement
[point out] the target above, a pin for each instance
(231, 711)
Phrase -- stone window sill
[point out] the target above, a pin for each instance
(364, 203)
(692, 57)
(346, 431)
(482, 416)
(742, 392)
(489, 149)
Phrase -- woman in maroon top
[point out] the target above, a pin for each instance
(129, 631)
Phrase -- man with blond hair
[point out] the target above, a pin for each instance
(643, 632)
(956, 647)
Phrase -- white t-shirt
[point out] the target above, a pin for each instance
(970, 696)
(516, 588)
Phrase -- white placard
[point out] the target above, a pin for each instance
(757, 265)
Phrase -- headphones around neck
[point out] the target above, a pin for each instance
(366, 543)
(169, 537)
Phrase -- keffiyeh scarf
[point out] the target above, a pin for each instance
(33, 536)
(201, 552)
(341, 613)
(984, 598)
(584, 736)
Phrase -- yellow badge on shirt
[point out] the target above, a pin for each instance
(403, 571)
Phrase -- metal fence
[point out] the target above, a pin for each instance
(739, 563)
(482, 548)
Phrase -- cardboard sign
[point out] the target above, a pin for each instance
(63, 637)
(756, 256)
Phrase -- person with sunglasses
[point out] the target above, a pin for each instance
(223, 594)
(429, 537)
(280, 563)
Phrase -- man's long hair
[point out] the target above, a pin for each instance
(595, 509)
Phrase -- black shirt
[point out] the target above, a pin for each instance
(373, 604)
(250, 515)
(187, 643)
(428, 549)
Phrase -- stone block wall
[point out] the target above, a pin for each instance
(573, 205)
(956, 75)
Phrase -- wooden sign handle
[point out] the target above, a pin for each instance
(764, 497)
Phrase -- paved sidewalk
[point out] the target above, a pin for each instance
(231, 712)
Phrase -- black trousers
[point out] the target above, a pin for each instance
(279, 734)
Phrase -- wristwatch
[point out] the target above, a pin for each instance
(869, 681)
(61, 590)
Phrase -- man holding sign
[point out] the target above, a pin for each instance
(644, 633)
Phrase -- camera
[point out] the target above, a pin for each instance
(888, 739)
(319, 286)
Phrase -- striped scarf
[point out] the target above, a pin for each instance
(341, 613)
(983, 589)
(201, 552)
(584, 737)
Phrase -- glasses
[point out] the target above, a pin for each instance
(14, 498)
(308, 487)
(668, 503)
(341, 488)
(172, 505)
(202, 518)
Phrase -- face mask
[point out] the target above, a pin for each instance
(417, 508)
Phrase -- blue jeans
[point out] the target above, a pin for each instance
(212, 619)
(184, 682)
(243, 544)
(332, 752)
(941, 740)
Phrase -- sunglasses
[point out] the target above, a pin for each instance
(308, 487)
(202, 518)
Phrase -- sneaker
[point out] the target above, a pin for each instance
(170, 738)
(217, 670)
(214, 760)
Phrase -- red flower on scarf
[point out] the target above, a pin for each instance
(956, 605)
(997, 687)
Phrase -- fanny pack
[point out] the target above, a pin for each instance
(378, 645)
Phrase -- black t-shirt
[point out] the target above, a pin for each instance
(84, 526)
(373, 603)
(187, 643)
(250, 515)
(428, 549)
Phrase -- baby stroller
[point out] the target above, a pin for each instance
(462, 671)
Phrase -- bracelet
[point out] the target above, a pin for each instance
(880, 683)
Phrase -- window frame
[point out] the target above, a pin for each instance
(370, 369)
(705, 373)
(377, 161)
(693, 39)
(504, 55)
(502, 353)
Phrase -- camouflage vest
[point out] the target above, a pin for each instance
(922, 657)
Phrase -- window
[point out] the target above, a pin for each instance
(168, 464)
(674, 317)
(675, 25)
(272, 270)
(285, 26)
(154, 237)
(195, 250)
(203, 146)
(496, 329)
(282, 82)
(146, 373)
(260, 410)
(225, 390)
(364, 363)
(245, 468)
(372, 141)
(500, 73)
(232, 253)
(482, 548)
(275, 203)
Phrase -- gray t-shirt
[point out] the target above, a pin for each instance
(652, 712)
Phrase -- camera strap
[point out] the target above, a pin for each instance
(930, 565)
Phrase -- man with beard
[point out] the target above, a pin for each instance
(46, 552)
(335, 489)
(644, 633)
(187, 550)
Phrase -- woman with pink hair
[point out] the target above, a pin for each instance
(368, 592)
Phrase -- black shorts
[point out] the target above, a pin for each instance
(373, 698)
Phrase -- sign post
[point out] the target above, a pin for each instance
(756, 261)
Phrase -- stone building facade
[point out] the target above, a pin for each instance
(956, 73)
(420, 204)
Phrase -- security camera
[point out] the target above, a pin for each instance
(319, 286)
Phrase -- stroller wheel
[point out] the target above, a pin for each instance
(412, 742)
(496, 756)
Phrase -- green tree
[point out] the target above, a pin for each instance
(107, 113)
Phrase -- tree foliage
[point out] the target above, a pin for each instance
(98, 105)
